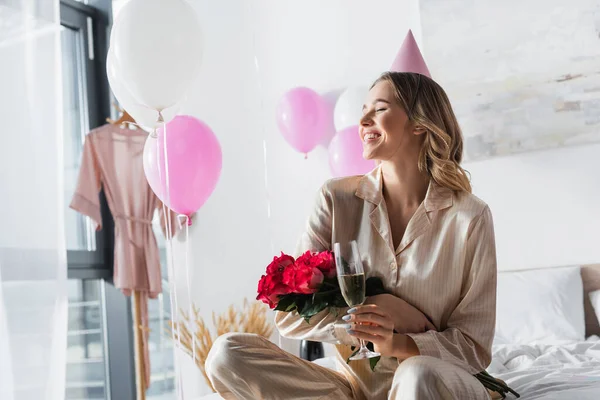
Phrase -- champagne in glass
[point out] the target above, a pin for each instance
(351, 278)
(353, 288)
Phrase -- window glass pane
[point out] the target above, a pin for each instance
(86, 344)
(80, 234)
(162, 380)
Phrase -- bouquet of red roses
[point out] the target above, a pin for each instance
(307, 284)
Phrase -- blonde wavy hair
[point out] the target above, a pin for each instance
(428, 106)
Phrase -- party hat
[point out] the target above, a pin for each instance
(409, 58)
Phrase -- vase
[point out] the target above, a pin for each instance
(311, 351)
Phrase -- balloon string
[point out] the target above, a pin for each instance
(167, 234)
(187, 271)
(176, 332)
(264, 135)
(170, 225)
(187, 223)
(265, 162)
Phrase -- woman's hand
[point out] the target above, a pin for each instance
(371, 324)
(405, 317)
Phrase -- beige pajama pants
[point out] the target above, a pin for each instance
(249, 367)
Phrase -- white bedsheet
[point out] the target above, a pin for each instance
(545, 372)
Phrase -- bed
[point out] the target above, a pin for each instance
(563, 366)
(547, 345)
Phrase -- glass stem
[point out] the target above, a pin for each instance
(363, 346)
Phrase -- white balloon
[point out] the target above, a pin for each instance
(157, 45)
(348, 108)
(144, 116)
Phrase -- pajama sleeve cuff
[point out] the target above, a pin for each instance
(427, 344)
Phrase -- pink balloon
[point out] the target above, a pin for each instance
(302, 118)
(346, 154)
(194, 160)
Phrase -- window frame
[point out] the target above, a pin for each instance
(93, 20)
(92, 24)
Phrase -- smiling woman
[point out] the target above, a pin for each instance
(418, 229)
(409, 105)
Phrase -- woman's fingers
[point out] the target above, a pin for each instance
(364, 336)
(371, 318)
(373, 330)
(368, 308)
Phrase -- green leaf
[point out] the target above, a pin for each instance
(326, 293)
(373, 362)
(330, 283)
(339, 301)
(301, 302)
(495, 384)
(313, 307)
(352, 355)
(285, 302)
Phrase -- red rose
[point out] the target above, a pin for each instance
(326, 263)
(302, 278)
(270, 287)
(323, 261)
(279, 264)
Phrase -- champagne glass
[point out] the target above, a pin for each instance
(351, 277)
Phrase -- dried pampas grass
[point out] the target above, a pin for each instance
(197, 340)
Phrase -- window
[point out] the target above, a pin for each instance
(87, 354)
(100, 354)
(88, 254)
(80, 233)
(160, 343)
(86, 341)
(162, 374)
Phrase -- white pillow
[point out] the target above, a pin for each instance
(595, 299)
(540, 306)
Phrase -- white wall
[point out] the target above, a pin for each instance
(322, 45)
(546, 206)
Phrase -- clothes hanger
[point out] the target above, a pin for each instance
(125, 118)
